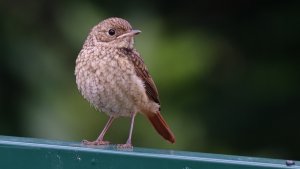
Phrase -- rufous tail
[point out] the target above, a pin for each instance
(161, 126)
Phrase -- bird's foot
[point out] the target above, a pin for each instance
(95, 143)
(125, 146)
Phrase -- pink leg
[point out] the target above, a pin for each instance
(128, 142)
(100, 140)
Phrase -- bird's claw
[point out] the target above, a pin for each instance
(95, 143)
(125, 146)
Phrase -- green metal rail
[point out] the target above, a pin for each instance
(29, 153)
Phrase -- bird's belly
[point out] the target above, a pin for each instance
(113, 87)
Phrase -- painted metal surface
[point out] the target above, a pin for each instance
(31, 153)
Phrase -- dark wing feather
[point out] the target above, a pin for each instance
(142, 72)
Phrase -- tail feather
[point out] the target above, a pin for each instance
(161, 126)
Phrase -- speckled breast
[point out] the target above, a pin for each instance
(108, 81)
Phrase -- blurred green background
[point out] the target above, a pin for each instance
(227, 73)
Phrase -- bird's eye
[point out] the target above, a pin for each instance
(111, 32)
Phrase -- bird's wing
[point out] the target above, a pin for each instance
(142, 72)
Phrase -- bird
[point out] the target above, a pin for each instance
(112, 76)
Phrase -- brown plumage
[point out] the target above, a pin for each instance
(112, 76)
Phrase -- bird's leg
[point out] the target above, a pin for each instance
(100, 140)
(128, 142)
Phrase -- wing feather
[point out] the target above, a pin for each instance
(143, 73)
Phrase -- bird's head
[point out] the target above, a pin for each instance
(113, 32)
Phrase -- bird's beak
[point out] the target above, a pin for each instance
(131, 33)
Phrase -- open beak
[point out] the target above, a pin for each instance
(131, 33)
